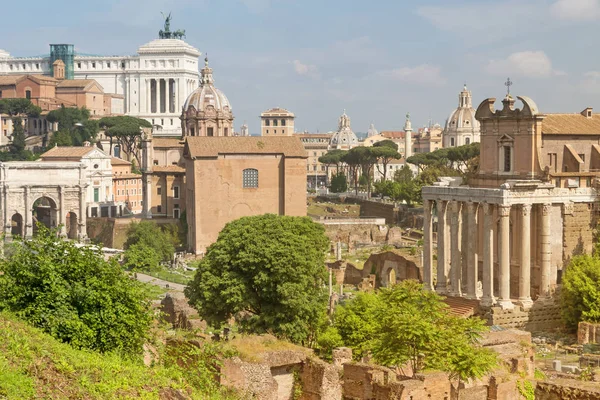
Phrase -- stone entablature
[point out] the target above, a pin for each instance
(61, 184)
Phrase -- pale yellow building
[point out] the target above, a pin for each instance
(277, 122)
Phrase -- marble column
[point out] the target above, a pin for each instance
(28, 217)
(441, 240)
(504, 257)
(61, 211)
(82, 212)
(159, 91)
(456, 259)
(427, 246)
(472, 261)
(488, 298)
(546, 251)
(525, 268)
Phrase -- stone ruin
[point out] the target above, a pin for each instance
(588, 332)
(179, 313)
(281, 375)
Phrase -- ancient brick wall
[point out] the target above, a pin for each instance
(542, 315)
(578, 229)
(320, 380)
(560, 389)
(588, 333)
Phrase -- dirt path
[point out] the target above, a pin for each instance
(159, 282)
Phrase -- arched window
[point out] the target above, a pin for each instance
(250, 178)
(467, 140)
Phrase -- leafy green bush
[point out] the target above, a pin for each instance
(149, 243)
(339, 183)
(580, 294)
(74, 294)
(406, 324)
(327, 341)
(267, 271)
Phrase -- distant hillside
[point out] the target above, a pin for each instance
(33, 365)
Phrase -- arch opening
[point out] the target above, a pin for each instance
(16, 225)
(71, 225)
(44, 211)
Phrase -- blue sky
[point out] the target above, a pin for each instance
(377, 59)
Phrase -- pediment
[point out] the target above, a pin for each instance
(96, 153)
(506, 138)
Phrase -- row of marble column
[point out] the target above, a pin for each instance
(162, 94)
(449, 252)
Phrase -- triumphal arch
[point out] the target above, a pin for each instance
(51, 193)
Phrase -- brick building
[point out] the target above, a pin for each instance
(232, 177)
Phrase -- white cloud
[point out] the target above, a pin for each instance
(576, 10)
(424, 74)
(591, 82)
(305, 69)
(530, 64)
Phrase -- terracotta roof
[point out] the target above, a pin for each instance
(314, 135)
(167, 142)
(126, 176)
(75, 83)
(392, 134)
(289, 146)
(10, 79)
(118, 161)
(277, 110)
(68, 152)
(168, 168)
(571, 124)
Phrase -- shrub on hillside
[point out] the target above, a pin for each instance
(75, 295)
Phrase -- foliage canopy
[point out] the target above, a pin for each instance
(268, 272)
(149, 243)
(407, 325)
(580, 293)
(73, 294)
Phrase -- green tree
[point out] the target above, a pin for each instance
(333, 157)
(407, 325)
(147, 237)
(17, 145)
(74, 126)
(339, 183)
(19, 107)
(580, 293)
(356, 324)
(386, 143)
(384, 155)
(75, 295)
(268, 272)
(127, 132)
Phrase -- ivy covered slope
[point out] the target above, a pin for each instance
(33, 365)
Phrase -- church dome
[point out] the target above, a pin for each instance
(207, 96)
(344, 138)
(461, 126)
(372, 131)
(464, 116)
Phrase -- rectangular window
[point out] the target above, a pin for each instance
(226, 132)
(209, 131)
(79, 65)
(267, 122)
(588, 181)
(274, 122)
(507, 160)
(159, 191)
(176, 213)
(451, 142)
(158, 209)
(283, 122)
(96, 195)
(108, 64)
(93, 65)
(28, 94)
(250, 178)
(175, 192)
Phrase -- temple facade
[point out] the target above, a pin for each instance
(504, 237)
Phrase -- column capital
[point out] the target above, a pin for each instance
(525, 210)
(503, 210)
(456, 205)
(546, 208)
(472, 206)
(488, 208)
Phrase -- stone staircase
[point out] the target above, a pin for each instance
(463, 307)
